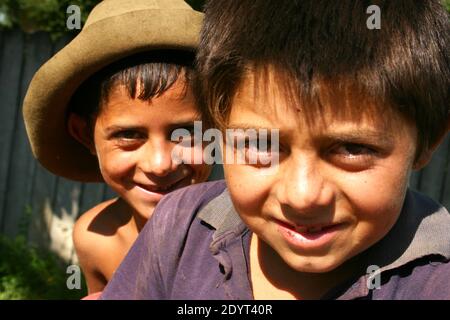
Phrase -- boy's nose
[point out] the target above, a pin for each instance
(304, 189)
(156, 158)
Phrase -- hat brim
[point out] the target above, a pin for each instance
(97, 46)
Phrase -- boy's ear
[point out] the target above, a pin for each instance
(79, 130)
(426, 155)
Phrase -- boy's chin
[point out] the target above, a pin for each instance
(313, 264)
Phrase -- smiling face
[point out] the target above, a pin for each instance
(340, 182)
(133, 145)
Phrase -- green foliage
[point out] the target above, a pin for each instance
(30, 273)
(49, 15)
(42, 15)
(447, 4)
(198, 4)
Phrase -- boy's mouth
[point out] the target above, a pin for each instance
(162, 188)
(308, 236)
(313, 228)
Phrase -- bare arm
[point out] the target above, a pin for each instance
(90, 248)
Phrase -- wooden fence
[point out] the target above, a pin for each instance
(33, 202)
(42, 206)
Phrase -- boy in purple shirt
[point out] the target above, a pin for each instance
(330, 215)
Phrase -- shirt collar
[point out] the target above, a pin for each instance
(422, 229)
(229, 245)
(220, 214)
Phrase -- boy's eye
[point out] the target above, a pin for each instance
(128, 138)
(352, 149)
(353, 156)
(184, 134)
(189, 128)
(128, 135)
(256, 145)
(257, 152)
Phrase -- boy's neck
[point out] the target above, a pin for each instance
(131, 217)
(272, 278)
(137, 221)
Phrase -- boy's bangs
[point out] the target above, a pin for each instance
(145, 81)
(345, 96)
(319, 45)
(145, 76)
(149, 75)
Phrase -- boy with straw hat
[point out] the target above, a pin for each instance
(103, 109)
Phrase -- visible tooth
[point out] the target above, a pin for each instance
(301, 229)
(315, 229)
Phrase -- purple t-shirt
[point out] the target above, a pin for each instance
(195, 246)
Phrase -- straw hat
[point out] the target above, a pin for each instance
(114, 29)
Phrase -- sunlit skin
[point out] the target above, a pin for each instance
(132, 141)
(346, 173)
(133, 145)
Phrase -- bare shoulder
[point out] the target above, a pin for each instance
(95, 230)
(97, 241)
(83, 226)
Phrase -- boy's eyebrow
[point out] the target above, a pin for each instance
(247, 126)
(352, 135)
(182, 123)
(114, 128)
(362, 136)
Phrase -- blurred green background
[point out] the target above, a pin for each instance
(49, 15)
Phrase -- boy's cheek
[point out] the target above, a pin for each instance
(246, 187)
(115, 164)
(374, 213)
(369, 231)
(383, 183)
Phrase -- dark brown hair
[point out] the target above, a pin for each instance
(404, 65)
(152, 73)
